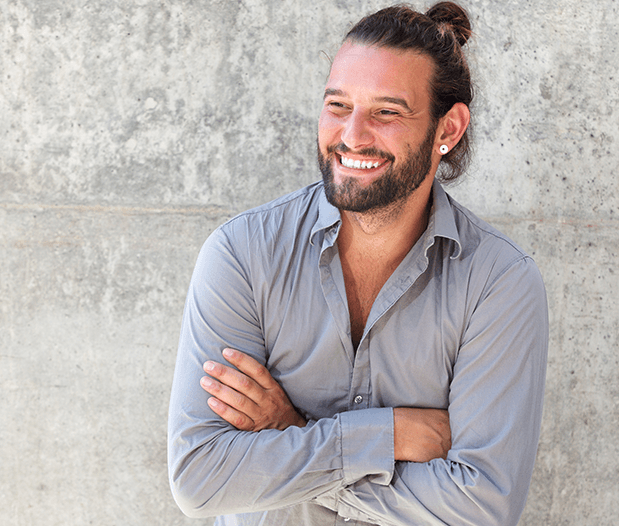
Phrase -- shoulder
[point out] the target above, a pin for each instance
(268, 231)
(272, 215)
(492, 272)
(488, 255)
(479, 238)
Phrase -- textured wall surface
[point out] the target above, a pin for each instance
(130, 129)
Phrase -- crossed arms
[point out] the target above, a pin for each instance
(251, 400)
(380, 465)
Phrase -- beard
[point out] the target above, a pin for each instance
(386, 192)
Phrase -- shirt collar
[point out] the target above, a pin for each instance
(328, 216)
(440, 224)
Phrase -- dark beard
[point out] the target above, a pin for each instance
(393, 187)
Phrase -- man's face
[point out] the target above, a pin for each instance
(376, 134)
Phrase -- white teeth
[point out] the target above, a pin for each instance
(363, 165)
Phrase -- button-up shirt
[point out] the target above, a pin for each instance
(461, 324)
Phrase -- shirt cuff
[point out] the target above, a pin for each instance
(367, 445)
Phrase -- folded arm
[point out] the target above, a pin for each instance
(346, 463)
(217, 469)
(495, 411)
(251, 400)
(248, 398)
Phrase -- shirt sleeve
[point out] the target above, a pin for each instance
(214, 468)
(495, 411)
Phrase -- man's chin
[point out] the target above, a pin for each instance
(351, 196)
(353, 192)
(361, 179)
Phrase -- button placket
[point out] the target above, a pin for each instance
(360, 384)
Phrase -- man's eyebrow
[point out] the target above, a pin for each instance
(392, 100)
(395, 100)
(333, 91)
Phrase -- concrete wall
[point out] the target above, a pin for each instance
(130, 129)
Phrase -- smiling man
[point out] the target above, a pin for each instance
(362, 114)
(373, 351)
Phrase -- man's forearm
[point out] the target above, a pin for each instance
(251, 400)
(215, 469)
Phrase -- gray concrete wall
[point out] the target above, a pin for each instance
(130, 129)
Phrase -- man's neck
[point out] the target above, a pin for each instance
(371, 247)
(388, 234)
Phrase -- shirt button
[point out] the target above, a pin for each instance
(358, 399)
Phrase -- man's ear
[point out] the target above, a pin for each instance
(452, 126)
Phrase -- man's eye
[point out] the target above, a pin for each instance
(388, 112)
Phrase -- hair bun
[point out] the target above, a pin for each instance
(454, 16)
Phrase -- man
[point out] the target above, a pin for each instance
(374, 352)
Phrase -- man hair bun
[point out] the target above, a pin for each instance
(452, 17)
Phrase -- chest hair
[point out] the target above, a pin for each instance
(364, 277)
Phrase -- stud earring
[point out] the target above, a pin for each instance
(443, 149)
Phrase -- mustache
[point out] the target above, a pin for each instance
(365, 152)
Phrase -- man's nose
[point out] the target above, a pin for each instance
(356, 133)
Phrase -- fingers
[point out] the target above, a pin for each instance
(235, 394)
(232, 406)
(248, 398)
(252, 379)
(246, 364)
(232, 378)
(229, 396)
(236, 418)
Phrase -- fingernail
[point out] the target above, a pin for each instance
(206, 382)
(229, 353)
(214, 403)
(209, 366)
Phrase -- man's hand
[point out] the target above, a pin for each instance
(250, 400)
(421, 435)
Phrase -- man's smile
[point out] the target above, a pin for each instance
(358, 164)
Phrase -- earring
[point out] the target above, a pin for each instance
(443, 149)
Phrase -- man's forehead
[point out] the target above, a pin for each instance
(394, 75)
(359, 49)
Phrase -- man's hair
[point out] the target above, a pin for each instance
(439, 34)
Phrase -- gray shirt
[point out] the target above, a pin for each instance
(460, 325)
